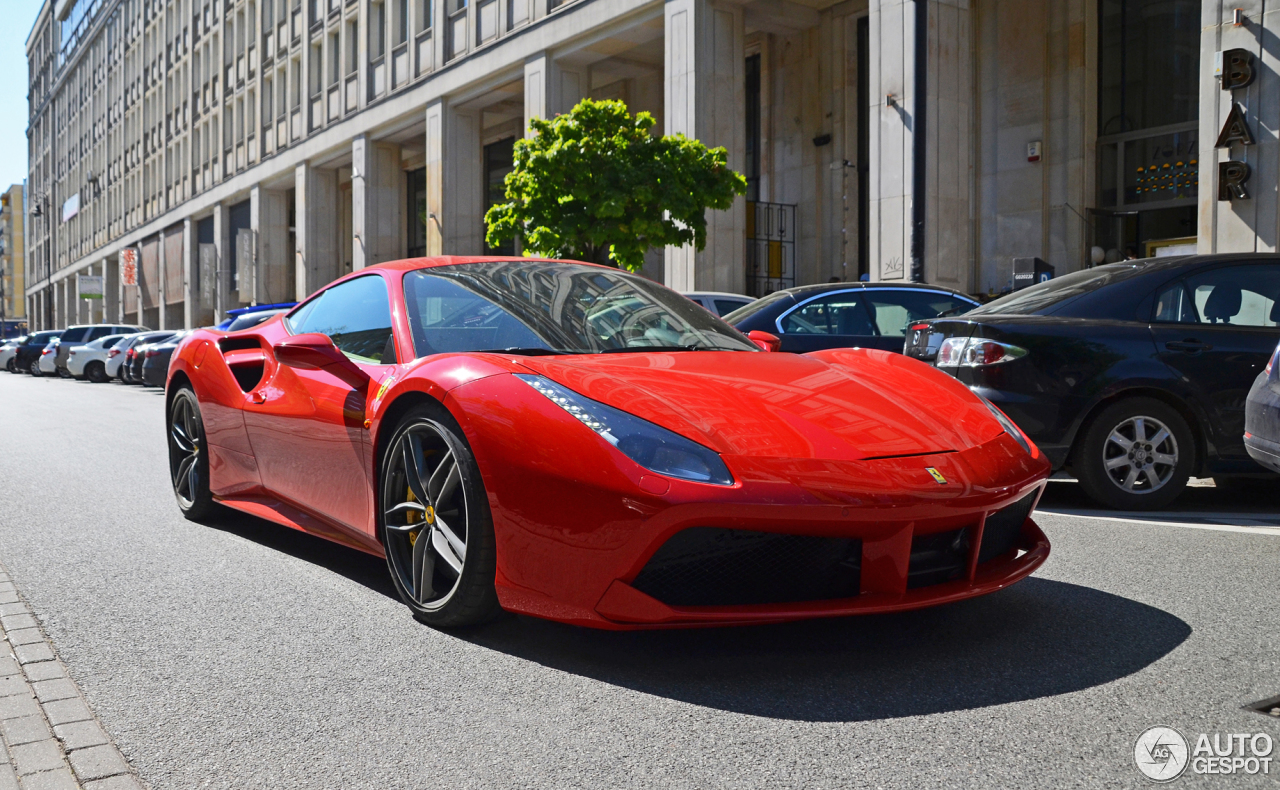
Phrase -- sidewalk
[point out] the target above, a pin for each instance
(52, 740)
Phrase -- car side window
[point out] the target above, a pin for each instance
(1242, 295)
(99, 331)
(356, 315)
(895, 309)
(836, 314)
(726, 306)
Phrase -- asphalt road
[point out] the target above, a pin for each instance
(244, 655)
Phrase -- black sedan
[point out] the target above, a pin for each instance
(155, 359)
(1132, 375)
(28, 356)
(846, 315)
(1262, 416)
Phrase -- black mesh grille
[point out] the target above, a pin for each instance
(1000, 533)
(707, 566)
(937, 558)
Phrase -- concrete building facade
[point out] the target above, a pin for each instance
(13, 292)
(254, 150)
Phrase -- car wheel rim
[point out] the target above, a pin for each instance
(184, 451)
(425, 515)
(1140, 455)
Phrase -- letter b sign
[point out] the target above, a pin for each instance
(1237, 69)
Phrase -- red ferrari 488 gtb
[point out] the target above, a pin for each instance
(577, 443)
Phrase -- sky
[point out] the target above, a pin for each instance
(18, 16)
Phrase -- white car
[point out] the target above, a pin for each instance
(9, 353)
(48, 362)
(90, 360)
(719, 302)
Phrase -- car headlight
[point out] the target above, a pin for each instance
(649, 445)
(1008, 425)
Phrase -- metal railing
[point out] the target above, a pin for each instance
(771, 247)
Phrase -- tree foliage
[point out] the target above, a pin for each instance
(595, 184)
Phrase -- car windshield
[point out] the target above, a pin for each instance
(746, 311)
(252, 319)
(555, 308)
(1041, 296)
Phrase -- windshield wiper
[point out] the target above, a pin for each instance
(532, 351)
(644, 349)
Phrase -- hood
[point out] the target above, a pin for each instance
(850, 404)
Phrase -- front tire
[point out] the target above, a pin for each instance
(435, 522)
(189, 457)
(1137, 454)
(35, 368)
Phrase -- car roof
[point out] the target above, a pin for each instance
(805, 290)
(719, 295)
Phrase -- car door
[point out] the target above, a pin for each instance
(838, 319)
(1216, 328)
(894, 309)
(306, 426)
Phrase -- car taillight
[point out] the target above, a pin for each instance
(130, 354)
(976, 352)
(1271, 363)
(71, 353)
(151, 353)
(46, 351)
(113, 353)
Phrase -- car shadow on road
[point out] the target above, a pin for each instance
(361, 568)
(1038, 639)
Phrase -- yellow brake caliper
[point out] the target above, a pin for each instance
(412, 516)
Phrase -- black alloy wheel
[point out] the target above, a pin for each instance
(189, 457)
(1136, 454)
(96, 372)
(436, 526)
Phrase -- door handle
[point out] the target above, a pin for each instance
(258, 396)
(1189, 346)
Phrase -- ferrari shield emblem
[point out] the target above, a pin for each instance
(936, 475)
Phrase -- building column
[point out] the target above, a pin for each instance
(269, 221)
(377, 203)
(191, 307)
(111, 307)
(222, 263)
(704, 100)
(454, 168)
(163, 287)
(549, 89)
(316, 229)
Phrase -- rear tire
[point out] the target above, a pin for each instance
(96, 372)
(189, 457)
(34, 368)
(1136, 454)
(435, 523)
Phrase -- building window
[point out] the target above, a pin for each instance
(498, 161)
(1148, 110)
(417, 194)
(752, 156)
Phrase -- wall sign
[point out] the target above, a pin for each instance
(1236, 71)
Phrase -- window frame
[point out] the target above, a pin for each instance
(1181, 280)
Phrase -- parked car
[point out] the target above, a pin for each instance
(120, 358)
(847, 315)
(27, 359)
(711, 482)
(1262, 416)
(76, 336)
(1132, 375)
(155, 359)
(250, 320)
(9, 353)
(46, 364)
(719, 302)
(236, 313)
(90, 360)
(138, 354)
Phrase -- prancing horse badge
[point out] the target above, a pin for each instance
(936, 475)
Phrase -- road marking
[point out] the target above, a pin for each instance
(1140, 519)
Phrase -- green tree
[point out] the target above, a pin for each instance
(596, 185)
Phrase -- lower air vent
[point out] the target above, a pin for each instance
(1000, 533)
(937, 558)
(706, 566)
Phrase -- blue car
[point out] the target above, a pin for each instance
(245, 317)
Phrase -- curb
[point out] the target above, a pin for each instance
(52, 739)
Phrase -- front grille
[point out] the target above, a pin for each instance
(1000, 533)
(709, 566)
(937, 558)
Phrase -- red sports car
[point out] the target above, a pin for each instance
(573, 442)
